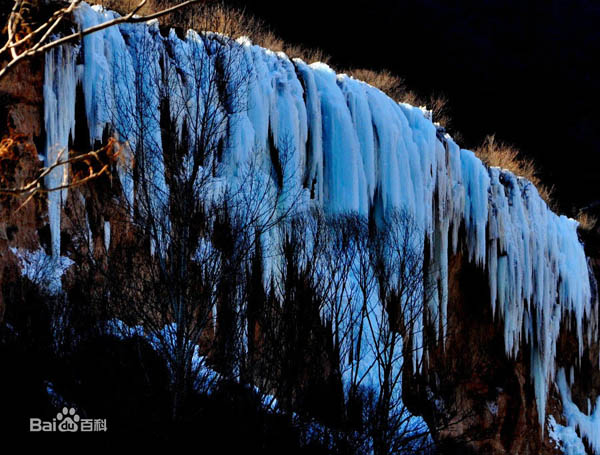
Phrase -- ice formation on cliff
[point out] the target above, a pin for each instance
(350, 148)
(587, 424)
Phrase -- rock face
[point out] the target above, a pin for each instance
(475, 399)
(21, 128)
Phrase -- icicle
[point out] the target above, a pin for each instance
(60, 83)
(107, 235)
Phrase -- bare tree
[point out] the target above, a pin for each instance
(381, 270)
(180, 275)
(346, 305)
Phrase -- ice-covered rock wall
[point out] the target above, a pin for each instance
(349, 148)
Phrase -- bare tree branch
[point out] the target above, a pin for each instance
(40, 46)
(90, 158)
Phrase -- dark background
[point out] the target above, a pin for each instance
(524, 70)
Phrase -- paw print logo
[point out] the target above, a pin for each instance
(68, 420)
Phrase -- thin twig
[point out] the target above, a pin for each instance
(52, 23)
(35, 186)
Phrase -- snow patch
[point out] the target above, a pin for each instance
(565, 438)
(43, 270)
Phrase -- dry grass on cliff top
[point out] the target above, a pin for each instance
(587, 222)
(498, 154)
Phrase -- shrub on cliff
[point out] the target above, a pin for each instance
(504, 156)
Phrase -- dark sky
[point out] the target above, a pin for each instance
(523, 70)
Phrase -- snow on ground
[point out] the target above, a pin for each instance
(566, 438)
(41, 269)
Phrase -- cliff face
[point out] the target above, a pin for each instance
(481, 400)
(509, 301)
(21, 118)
